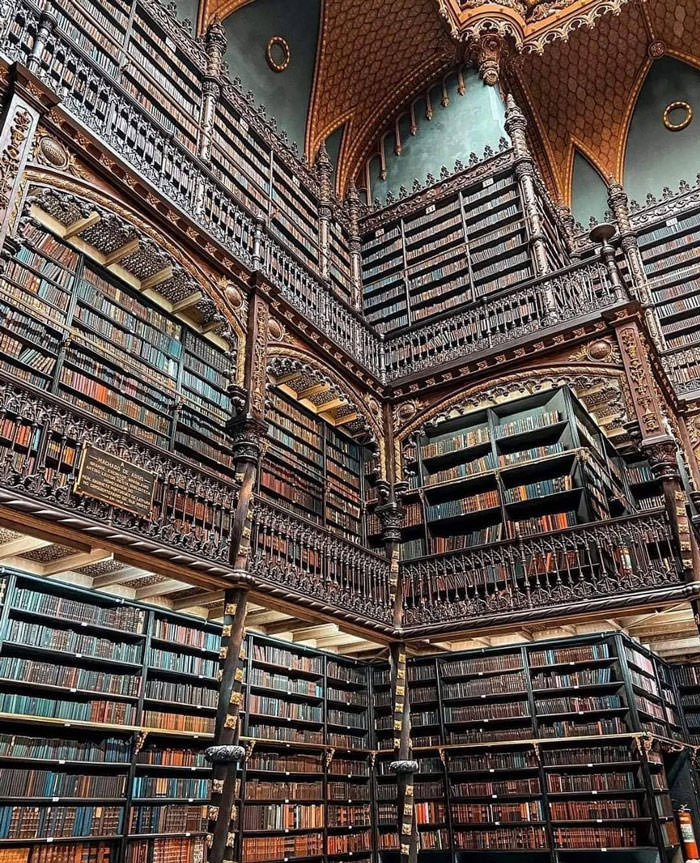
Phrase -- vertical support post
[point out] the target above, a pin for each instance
(215, 46)
(655, 441)
(227, 752)
(353, 205)
(403, 766)
(515, 125)
(248, 432)
(47, 23)
(324, 169)
(619, 206)
(29, 99)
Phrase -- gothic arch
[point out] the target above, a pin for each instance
(289, 367)
(486, 394)
(150, 253)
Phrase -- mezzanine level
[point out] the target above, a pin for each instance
(620, 563)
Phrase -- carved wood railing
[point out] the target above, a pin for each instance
(104, 107)
(683, 368)
(299, 556)
(543, 575)
(41, 443)
(498, 319)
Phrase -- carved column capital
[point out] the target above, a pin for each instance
(225, 754)
(391, 516)
(215, 44)
(488, 58)
(249, 438)
(662, 454)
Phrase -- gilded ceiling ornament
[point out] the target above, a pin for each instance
(678, 105)
(276, 44)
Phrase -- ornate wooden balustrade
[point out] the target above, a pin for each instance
(593, 565)
(41, 443)
(104, 107)
(501, 318)
(294, 554)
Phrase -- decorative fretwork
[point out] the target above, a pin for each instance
(576, 567)
(42, 443)
(500, 319)
(292, 553)
(99, 104)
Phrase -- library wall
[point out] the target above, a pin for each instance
(285, 94)
(561, 747)
(656, 156)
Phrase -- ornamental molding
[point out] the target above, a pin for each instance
(529, 25)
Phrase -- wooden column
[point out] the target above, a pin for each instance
(515, 125)
(619, 206)
(248, 433)
(215, 46)
(324, 171)
(353, 205)
(390, 513)
(28, 99)
(654, 437)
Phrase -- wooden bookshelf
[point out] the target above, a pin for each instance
(306, 786)
(532, 465)
(460, 247)
(317, 470)
(669, 251)
(70, 327)
(534, 751)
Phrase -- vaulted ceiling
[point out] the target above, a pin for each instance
(575, 67)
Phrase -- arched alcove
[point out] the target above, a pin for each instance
(657, 156)
(456, 117)
(589, 194)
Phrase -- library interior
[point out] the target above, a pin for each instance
(349, 431)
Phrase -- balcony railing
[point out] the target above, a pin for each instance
(41, 443)
(528, 577)
(101, 105)
(495, 320)
(683, 368)
(292, 553)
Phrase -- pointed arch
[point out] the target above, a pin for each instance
(588, 190)
(651, 155)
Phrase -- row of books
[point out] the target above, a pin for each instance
(480, 813)
(68, 676)
(108, 749)
(72, 641)
(30, 822)
(48, 783)
(283, 816)
(170, 787)
(98, 710)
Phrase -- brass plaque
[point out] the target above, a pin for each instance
(113, 480)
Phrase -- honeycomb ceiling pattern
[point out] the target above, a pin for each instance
(373, 55)
(582, 92)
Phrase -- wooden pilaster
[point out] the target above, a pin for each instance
(248, 432)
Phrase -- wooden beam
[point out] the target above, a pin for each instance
(326, 406)
(203, 597)
(187, 302)
(346, 418)
(262, 618)
(81, 225)
(157, 278)
(21, 545)
(323, 629)
(120, 253)
(75, 561)
(282, 624)
(313, 390)
(358, 647)
(119, 576)
(170, 585)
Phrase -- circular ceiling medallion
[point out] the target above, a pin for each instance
(684, 120)
(277, 53)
